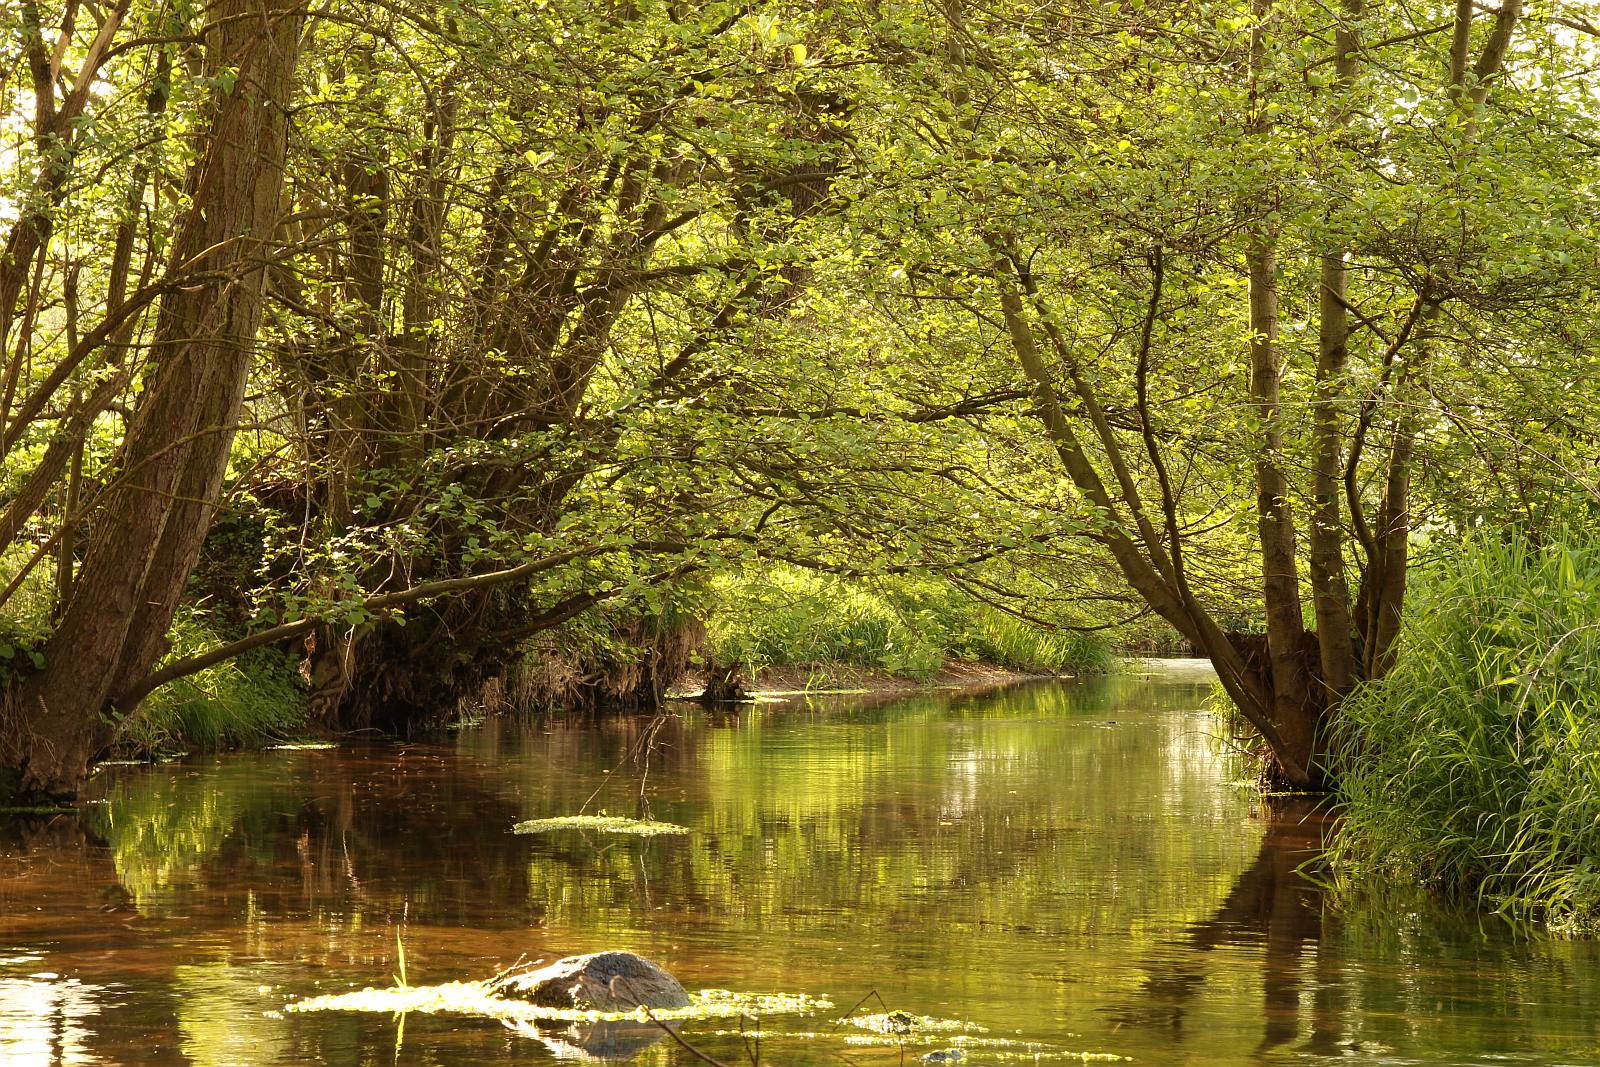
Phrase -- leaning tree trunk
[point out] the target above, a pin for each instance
(146, 540)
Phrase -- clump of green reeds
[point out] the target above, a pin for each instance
(1474, 766)
(246, 701)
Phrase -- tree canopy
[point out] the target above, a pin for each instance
(395, 335)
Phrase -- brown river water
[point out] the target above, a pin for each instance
(1072, 867)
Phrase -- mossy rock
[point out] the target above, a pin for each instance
(599, 981)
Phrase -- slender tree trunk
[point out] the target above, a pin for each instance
(1293, 710)
(1329, 591)
(1245, 685)
(1387, 580)
(149, 535)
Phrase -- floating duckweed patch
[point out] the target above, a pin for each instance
(483, 999)
(953, 1040)
(944, 1047)
(1072, 1057)
(901, 1023)
(945, 1040)
(956, 1048)
(724, 1003)
(605, 824)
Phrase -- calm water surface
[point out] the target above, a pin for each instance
(1064, 864)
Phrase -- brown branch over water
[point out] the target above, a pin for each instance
(382, 602)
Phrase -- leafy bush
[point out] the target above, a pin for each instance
(1475, 765)
(785, 617)
(25, 620)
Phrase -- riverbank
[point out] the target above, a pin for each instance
(777, 683)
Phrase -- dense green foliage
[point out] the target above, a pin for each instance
(1474, 766)
(783, 617)
(498, 334)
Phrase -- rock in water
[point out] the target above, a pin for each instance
(600, 981)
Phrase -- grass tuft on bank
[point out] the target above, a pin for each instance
(245, 702)
(1474, 766)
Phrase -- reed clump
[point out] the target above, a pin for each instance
(245, 702)
(1474, 766)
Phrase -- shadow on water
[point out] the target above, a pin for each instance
(1392, 978)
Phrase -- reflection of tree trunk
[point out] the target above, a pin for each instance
(1271, 904)
(724, 683)
(51, 855)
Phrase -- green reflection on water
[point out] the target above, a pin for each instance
(1057, 863)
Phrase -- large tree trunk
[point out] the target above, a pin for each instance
(147, 539)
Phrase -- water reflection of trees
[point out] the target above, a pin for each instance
(1394, 973)
(1003, 812)
(1272, 906)
(367, 835)
(53, 999)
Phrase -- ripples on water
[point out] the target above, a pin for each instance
(1064, 864)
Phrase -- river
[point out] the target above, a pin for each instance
(1062, 868)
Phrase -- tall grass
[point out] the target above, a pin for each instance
(1474, 767)
(256, 698)
(785, 617)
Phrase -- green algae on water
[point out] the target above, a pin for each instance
(953, 1042)
(605, 824)
(483, 999)
(903, 1022)
(955, 1039)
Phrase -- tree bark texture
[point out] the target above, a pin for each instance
(147, 538)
